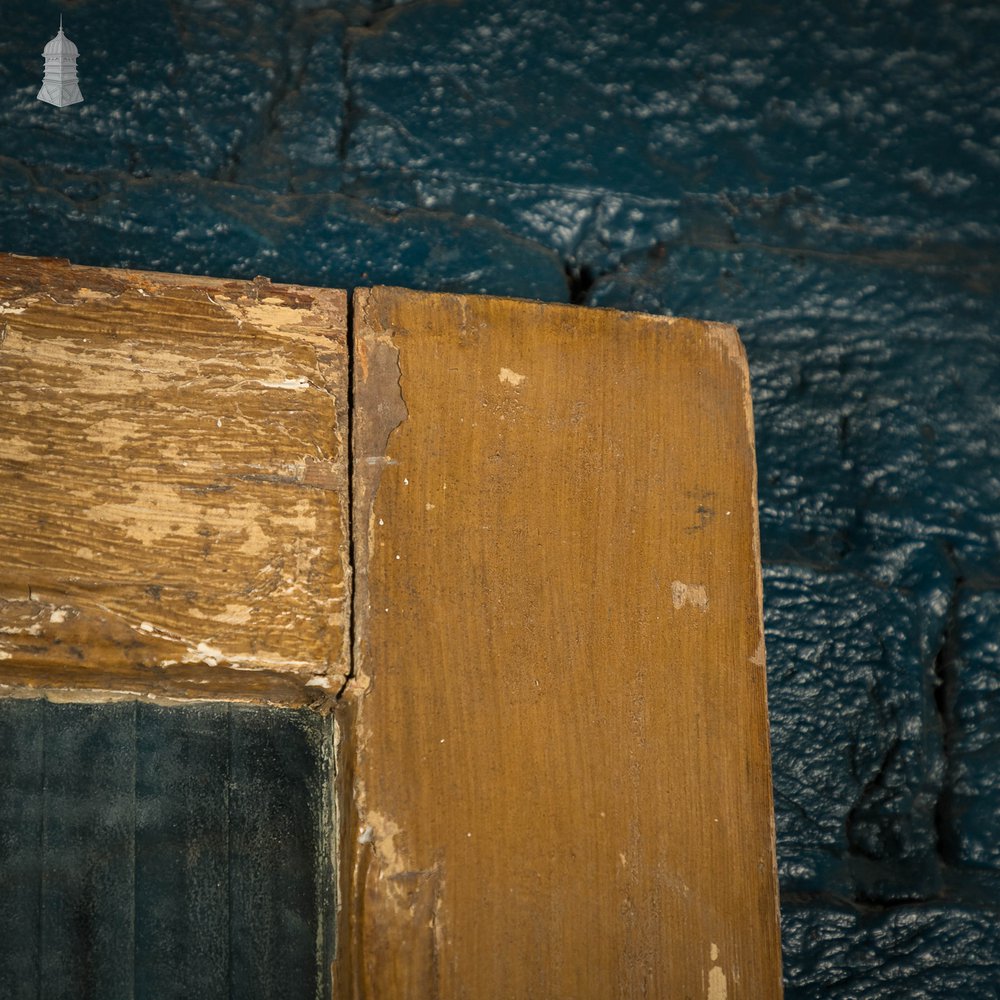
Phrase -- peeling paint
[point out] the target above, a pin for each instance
(151, 368)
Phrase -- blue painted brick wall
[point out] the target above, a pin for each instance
(823, 174)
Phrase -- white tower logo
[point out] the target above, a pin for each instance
(59, 86)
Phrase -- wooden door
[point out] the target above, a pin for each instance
(529, 592)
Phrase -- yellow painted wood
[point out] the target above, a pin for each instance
(555, 749)
(554, 764)
(173, 515)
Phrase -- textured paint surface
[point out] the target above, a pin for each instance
(823, 175)
(174, 479)
(159, 853)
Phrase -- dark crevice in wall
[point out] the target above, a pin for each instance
(580, 281)
(359, 21)
(853, 534)
(267, 121)
(960, 893)
(297, 74)
(869, 832)
(349, 110)
(945, 682)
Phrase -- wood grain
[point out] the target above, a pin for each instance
(556, 745)
(173, 516)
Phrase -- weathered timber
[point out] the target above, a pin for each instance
(173, 515)
(555, 745)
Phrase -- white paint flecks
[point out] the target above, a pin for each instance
(299, 382)
(58, 616)
(209, 654)
(689, 593)
(35, 629)
(511, 377)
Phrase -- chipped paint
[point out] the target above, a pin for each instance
(511, 377)
(693, 594)
(382, 833)
(166, 442)
(93, 294)
(35, 629)
(266, 314)
(717, 985)
(296, 382)
(717, 989)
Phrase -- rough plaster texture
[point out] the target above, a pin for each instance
(825, 175)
